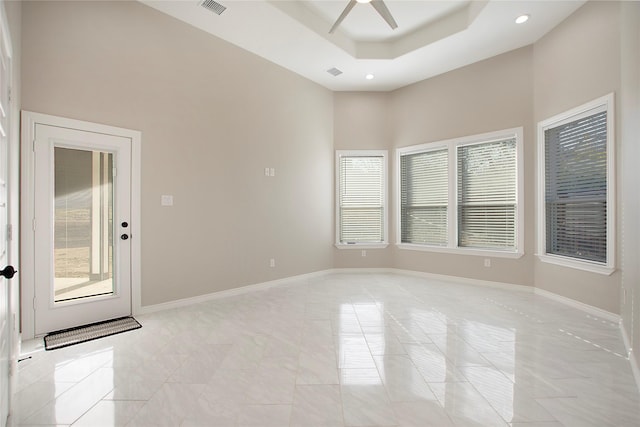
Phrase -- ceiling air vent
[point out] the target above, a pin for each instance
(334, 72)
(213, 6)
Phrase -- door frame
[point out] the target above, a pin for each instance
(29, 121)
(8, 385)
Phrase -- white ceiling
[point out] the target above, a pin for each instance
(432, 37)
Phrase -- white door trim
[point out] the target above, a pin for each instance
(29, 121)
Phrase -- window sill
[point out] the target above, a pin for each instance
(461, 251)
(361, 245)
(591, 267)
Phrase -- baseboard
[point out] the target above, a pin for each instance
(595, 311)
(229, 292)
(466, 280)
(440, 277)
(631, 355)
(363, 270)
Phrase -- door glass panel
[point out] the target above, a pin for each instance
(83, 218)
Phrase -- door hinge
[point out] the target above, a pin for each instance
(9, 232)
(33, 146)
(115, 172)
(34, 303)
(9, 93)
(33, 224)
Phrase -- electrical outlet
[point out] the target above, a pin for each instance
(166, 200)
(487, 262)
(266, 171)
(272, 262)
(364, 253)
(272, 171)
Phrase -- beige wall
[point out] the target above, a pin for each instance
(212, 118)
(630, 153)
(518, 88)
(362, 122)
(491, 95)
(577, 62)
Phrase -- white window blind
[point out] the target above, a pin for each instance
(424, 197)
(576, 188)
(487, 195)
(462, 195)
(361, 199)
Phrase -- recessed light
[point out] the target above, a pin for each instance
(369, 76)
(522, 19)
(363, 1)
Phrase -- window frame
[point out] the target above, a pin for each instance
(452, 211)
(604, 103)
(385, 209)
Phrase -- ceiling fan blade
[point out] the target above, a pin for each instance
(381, 8)
(343, 15)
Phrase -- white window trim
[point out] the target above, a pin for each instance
(604, 103)
(452, 231)
(385, 171)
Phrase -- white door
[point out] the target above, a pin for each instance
(5, 318)
(82, 214)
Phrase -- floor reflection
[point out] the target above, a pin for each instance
(344, 350)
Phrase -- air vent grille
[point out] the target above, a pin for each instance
(334, 72)
(213, 6)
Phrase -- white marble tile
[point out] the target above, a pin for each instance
(244, 354)
(136, 383)
(317, 406)
(200, 365)
(353, 352)
(605, 412)
(357, 376)
(271, 387)
(228, 386)
(402, 380)
(432, 363)
(77, 369)
(170, 405)
(466, 406)
(421, 414)
(210, 412)
(345, 349)
(74, 402)
(264, 416)
(108, 413)
(384, 342)
(367, 405)
(34, 397)
(538, 424)
(512, 403)
(318, 368)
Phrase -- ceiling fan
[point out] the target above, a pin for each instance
(378, 5)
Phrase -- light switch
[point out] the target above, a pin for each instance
(166, 200)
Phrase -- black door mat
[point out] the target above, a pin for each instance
(80, 334)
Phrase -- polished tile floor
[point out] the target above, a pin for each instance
(344, 350)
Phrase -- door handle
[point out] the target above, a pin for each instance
(8, 272)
